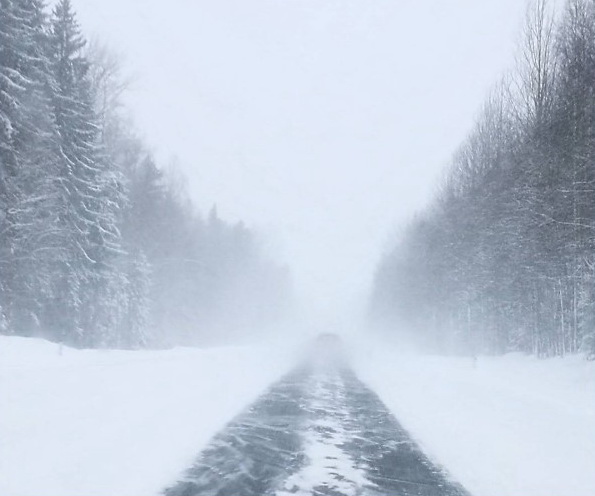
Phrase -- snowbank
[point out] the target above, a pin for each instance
(115, 422)
(508, 426)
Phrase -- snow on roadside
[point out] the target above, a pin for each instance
(507, 426)
(95, 423)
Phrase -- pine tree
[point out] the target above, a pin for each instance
(92, 195)
(97, 244)
(29, 182)
(12, 86)
(136, 322)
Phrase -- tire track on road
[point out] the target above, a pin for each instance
(318, 431)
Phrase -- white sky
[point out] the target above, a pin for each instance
(324, 123)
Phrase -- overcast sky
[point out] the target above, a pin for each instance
(323, 123)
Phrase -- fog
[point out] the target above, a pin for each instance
(323, 124)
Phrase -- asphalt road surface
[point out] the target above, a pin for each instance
(319, 431)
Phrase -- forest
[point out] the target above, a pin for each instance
(503, 258)
(100, 246)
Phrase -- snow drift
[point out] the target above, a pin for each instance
(99, 423)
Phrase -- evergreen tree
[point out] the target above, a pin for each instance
(29, 182)
(92, 195)
(99, 247)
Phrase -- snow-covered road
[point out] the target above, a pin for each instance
(317, 432)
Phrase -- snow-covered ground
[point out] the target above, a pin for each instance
(97, 423)
(507, 426)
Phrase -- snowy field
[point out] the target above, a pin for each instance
(508, 426)
(97, 423)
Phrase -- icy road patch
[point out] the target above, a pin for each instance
(328, 464)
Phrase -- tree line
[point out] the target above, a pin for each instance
(99, 247)
(503, 259)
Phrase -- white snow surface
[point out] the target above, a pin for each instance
(501, 426)
(328, 464)
(97, 423)
(122, 423)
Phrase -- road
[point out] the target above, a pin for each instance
(318, 431)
